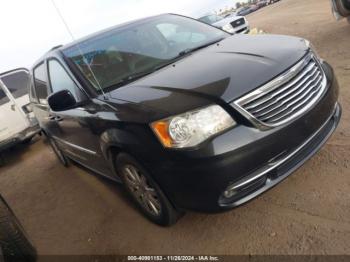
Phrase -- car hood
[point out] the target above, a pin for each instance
(226, 21)
(219, 74)
(244, 12)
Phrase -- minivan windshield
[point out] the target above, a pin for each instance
(211, 19)
(121, 55)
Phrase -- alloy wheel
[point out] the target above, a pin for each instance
(141, 190)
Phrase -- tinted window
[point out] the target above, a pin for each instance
(59, 79)
(17, 83)
(120, 55)
(3, 97)
(40, 82)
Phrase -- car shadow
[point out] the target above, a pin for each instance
(13, 155)
(113, 186)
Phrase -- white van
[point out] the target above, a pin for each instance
(17, 121)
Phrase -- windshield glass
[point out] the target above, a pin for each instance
(139, 48)
(210, 19)
(17, 83)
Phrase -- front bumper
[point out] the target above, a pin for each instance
(196, 179)
(20, 137)
(243, 29)
(274, 172)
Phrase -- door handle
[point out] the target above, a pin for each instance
(55, 118)
(13, 107)
(58, 118)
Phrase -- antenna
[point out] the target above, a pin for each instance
(78, 46)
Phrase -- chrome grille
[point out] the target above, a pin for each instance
(285, 97)
(238, 22)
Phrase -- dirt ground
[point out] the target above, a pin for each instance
(72, 211)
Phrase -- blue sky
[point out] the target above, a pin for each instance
(35, 27)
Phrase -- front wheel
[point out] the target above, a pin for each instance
(145, 192)
(343, 7)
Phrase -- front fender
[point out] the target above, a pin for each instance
(117, 138)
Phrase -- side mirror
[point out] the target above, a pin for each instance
(61, 101)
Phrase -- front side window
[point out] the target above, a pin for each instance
(59, 78)
(121, 55)
(40, 83)
(17, 83)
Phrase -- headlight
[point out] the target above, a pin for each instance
(192, 128)
(228, 28)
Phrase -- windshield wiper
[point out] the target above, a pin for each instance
(128, 79)
(190, 50)
(134, 77)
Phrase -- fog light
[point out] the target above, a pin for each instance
(229, 193)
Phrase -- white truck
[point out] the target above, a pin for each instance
(17, 121)
(232, 24)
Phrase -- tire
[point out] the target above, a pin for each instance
(58, 152)
(14, 242)
(2, 160)
(346, 4)
(342, 7)
(148, 197)
(27, 140)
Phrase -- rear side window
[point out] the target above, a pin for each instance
(17, 83)
(60, 80)
(40, 83)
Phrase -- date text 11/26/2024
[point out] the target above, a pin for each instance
(173, 258)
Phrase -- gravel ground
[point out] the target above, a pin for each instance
(72, 211)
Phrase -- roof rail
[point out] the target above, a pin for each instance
(55, 47)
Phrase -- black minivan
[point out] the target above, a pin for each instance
(185, 115)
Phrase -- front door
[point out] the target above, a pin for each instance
(73, 129)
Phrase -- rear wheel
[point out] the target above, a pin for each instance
(145, 192)
(58, 152)
(15, 244)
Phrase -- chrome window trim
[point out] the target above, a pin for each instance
(275, 83)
